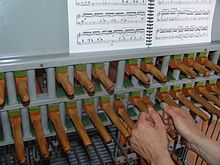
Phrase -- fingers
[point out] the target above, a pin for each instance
(143, 117)
(171, 111)
(156, 118)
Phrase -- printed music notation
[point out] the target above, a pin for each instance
(110, 36)
(166, 2)
(111, 17)
(175, 14)
(181, 32)
(110, 2)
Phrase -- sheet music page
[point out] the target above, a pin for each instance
(97, 25)
(182, 22)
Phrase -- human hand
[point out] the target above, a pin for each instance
(182, 121)
(149, 138)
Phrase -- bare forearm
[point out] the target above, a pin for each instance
(207, 149)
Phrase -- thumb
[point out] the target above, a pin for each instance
(169, 110)
(156, 118)
(143, 117)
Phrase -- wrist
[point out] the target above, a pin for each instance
(161, 158)
(194, 141)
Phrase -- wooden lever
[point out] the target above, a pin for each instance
(114, 118)
(120, 109)
(206, 94)
(90, 110)
(197, 66)
(84, 80)
(18, 139)
(39, 133)
(213, 88)
(72, 112)
(150, 68)
(22, 87)
(2, 91)
(164, 96)
(107, 83)
(177, 64)
(134, 70)
(209, 64)
(201, 100)
(146, 100)
(63, 78)
(54, 116)
(136, 101)
(179, 95)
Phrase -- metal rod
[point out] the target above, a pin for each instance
(51, 83)
(25, 123)
(207, 129)
(97, 152)
(110, 153)
(121, 148)
(71, 74)
(44, 119)
(77, 157)
(32, 85)
(11, 90)
(6, 128)
(62, 113)
(120, 74)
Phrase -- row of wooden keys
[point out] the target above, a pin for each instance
(115, 114)
(131, 69)
(54, 116)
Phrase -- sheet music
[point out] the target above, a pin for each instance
(182, 22)
(97, 25)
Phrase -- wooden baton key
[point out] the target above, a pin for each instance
(54, 116)
(39, 132)
(84, 80)
(2, 90)
(22, 85)
(62, 77)
(137, 102)
(190, 62)
(73, 113)
(178, 64)
(202, 90)
(105, 106)
(209, 64)
(150, 68)
(164, 96)
(134, 70)
(213, 88)
(15, 121)
(121, 111)
(179, 95)
(99, 73)
(90, 110)
(191, 92)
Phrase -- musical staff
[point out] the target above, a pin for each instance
(89, 18)
(175, 14)
(167, 2)
(110, 2)
(181, 32)
(111, 36)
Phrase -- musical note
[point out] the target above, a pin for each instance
(167, 2)
(110, 36)
(110, 17)
(110, 2)
(175, 14)
(181, 32)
